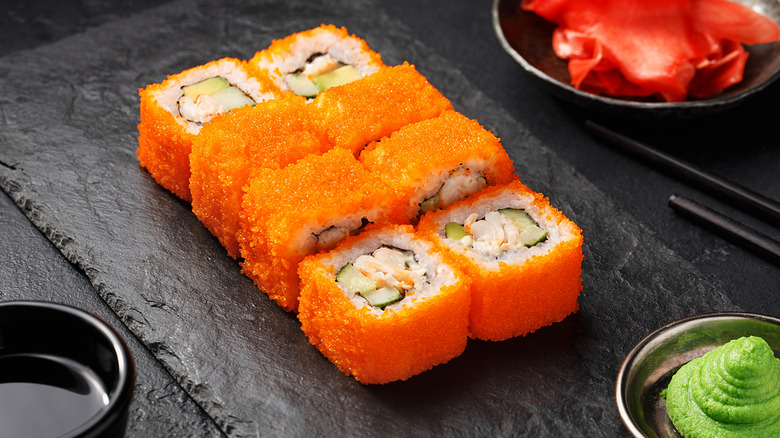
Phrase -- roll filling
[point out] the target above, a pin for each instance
(507, 229)
(204, 100)
(383, 277)
(315, 60)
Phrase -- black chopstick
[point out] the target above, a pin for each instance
(729, 229)
(751, 202)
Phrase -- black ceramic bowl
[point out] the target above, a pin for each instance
(528, 39)
(63, 372)
(649, 367)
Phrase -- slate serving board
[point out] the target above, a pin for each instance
(30, 269)
(69, 113)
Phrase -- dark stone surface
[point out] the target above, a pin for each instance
(32, 269)
(69, 112)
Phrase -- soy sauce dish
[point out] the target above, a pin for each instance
(527, 37)
(650, 365)
(63, 372)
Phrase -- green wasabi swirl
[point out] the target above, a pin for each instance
(732, 391)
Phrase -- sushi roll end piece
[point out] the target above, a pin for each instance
(436, 162)
(383, 341)
(524, 258)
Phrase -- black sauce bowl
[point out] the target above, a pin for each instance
(48, 345)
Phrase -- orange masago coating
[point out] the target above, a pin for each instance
(366, 110)
(164, 146)
(231, 149)
(304, 208)
(418, 158)
(166, 137)
(379, 346)
(515, 294)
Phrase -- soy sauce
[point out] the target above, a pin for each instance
(47, 396)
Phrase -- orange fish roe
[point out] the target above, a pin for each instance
(516, 294)
(418, 158)
(287, 214)
(231, 149)
(290, 53)
(164, 146)
(165, 137)
(380, 346)
(363, 111)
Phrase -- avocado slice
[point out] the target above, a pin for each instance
(340, 76)
(454, 230)
(382, 297)
(206, 86)
(354, 280)
(301, 85)
(232, 97)
(530, 232)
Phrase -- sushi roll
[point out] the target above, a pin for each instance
(231, 149)
(384, 306)
(174, 111)
(523, 256)
(438, 161)
(368, 110)
(311, 61)
(302, 209)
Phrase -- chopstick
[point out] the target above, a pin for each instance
(761, 207)
(729, 229)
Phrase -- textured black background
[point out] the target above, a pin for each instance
(737, 144)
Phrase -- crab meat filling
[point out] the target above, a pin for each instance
(318, 64)
(330, 237)
(500, 231)
(392, 267)
(201, 109)
(457, 186)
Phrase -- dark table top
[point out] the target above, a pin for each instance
(740, 144)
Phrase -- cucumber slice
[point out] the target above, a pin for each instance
(382, 297)
(340, 76)
(454, 230)
(518, 216)
(530, 233)
(301, 85)
(354, 280)
(233, 97)
(206, 86)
